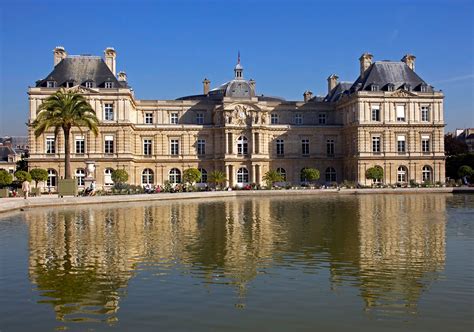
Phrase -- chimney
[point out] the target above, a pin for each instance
(110, 56)
(307, 95)
(206, 85)
(332, 82)
(409, 59)
(252, 84)
(365, 62)
(59, 54)
(122, 76)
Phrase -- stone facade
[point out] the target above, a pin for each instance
(232, 129)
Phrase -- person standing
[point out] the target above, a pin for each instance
(25, 187)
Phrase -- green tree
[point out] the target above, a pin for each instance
(22, 176)
(465, 170)
(374, 173)
(62, 111)
(453, 146)
(5, 178)
(38, 175)
(310, 174)
(119, 176)
(271, 177)
(218, 178)
(22, 164)
(191, 175)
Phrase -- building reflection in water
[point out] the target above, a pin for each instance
(389, 247)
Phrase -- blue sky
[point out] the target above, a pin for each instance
(168, 47)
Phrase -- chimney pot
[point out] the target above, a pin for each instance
(110, 59)
(59, 54)
(409, 59)
(206, 84)
(365, 62)
(332, 82)
(307, 95)
(122, 76)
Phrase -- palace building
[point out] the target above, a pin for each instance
(388, 116)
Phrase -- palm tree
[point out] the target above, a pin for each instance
(64, 110)
(271, 177)
(217, 177)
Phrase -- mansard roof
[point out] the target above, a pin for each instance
(80, 69)
(341, 89)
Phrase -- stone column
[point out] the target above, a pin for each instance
(254, 175)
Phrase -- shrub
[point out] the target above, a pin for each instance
(38, 175)
(374, 173)
(310, 174)
(119, 176)
(191, 175)
(271, 177)
(5, 178)
(22, 176)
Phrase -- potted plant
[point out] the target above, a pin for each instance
(5, 180)
(38, 175)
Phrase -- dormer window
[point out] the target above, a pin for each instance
(51, 84)
(374, 87)
(407, 87)
(423, 88)
(89, 84)
(109, 85)
(390, 87)
(69, 84)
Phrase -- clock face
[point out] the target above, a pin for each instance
(241, 90)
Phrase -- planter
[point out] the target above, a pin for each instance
(67, 187)
(4, 193)
(36, 192)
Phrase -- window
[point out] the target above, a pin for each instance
(80, 145)
(175, 175)
(203, 178)
(401, 145)
(174, 118)
(424, 88)
(298, 119)
(402, 174)
(201, 146)
(148, 118)
(256, 141)
(108, 177)
(274, 118)
(51, 84)
(80, 175)
(89, 84)
(305, 147)
(330, 147)
(109, 144)
(322, 118)
(374, 87)
(69, 84)
(400, 112)
(426, 173)
(109, 85)
(425, 111)
(242, 175)
(280, 147)
(50, 144)
(109, 112)
(375, 113)
(390, 87)
(242, 145)
(425, 143)
(199, 118)
(330, 174)
(282, 173)
(147, 147)
(51, 181)
(376, 144)
(147, 176)
(174, 147)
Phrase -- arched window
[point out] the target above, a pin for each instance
(80, 175)
(331, 174)
(52, 176)
(147, 176)
(282, 173)
(175, 175)
(402, 174)
(426, 173)
(203, 178)
(242, 175)
(242, 145)
(108, 177)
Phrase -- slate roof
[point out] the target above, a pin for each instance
(5, 151)
(81, 69)
(340, 90)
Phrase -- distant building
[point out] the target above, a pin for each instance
(466, 136)
(389, 116)
(8, 158)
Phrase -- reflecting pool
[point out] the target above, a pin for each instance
(370, 262)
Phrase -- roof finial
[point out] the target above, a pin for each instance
(238, 57)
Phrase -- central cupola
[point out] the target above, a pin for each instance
(238, 70)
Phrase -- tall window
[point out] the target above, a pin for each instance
(322, 118)
(305, 147)
(201, 146)
(109, 85)
(425, 143)
(199, 118)
(148, 118)
(330, 174)
(274, 118)
(50, 144)
(108, 177)
(147, 147)
(174, 147)
(330, 147)
(89, 84)
(298, 119)
(376, 144)
(426, 173)
(402, 174)
(147, 176)
(51, 84)
(242, 175)
(109, 144)
(280, 147)
(375, 113)
(174, 118)
(425, 111)
(282, 173)
(51, 181)
(203, 178)
(401, 145)
(80, 175)
(242, 145)
(80, 145)
(400, 112)
(175, 175)
(109, 112)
